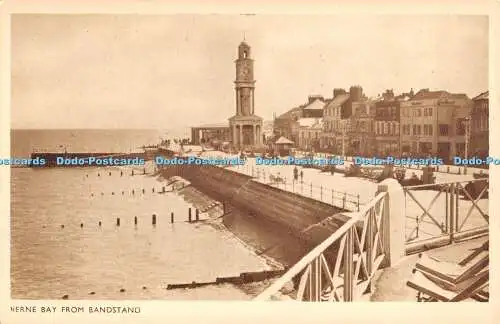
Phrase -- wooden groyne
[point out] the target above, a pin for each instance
(243, 278)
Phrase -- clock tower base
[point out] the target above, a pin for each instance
(246, 131)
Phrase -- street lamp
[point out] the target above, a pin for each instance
(467, 135)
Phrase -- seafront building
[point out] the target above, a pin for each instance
(479, 125)
(424, 123)
(433, 123)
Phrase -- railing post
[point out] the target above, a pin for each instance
(392, 229)
(457, 200)
(452, 212)
(311, 189)
(348, 265)
(369, 249)
(447, 212)
(321, 192)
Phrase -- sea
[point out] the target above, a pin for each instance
(65, 240)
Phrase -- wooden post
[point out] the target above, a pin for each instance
(311, 189)
(189, 214)
(344, 200)
(197, 215)
(321, 192)
(118, 222)
(172, 217)
(154, 219)
(358, 202)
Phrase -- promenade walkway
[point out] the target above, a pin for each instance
(352, 193)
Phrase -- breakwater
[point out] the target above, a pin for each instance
(279, 224)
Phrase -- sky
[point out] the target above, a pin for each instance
(176, 71)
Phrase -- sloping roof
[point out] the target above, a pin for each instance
(430, 94)
(297, 111)
(316, 104)
(283, 140)
(338, 100)
(426, 94)
(484, 95)
(458, 96)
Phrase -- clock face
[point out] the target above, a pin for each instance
(245, 72)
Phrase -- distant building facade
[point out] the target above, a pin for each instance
(287, 125)
(433, 123)
(209, 133)
(310, 130)
(334, 121)
(479, 125)
(387, 123)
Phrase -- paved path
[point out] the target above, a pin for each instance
(391, 285)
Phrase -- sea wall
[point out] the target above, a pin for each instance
(280, 224)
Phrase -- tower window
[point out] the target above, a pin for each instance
(245, 54)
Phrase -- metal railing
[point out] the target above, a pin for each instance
(337, 198)
(446, 209)
(354, 252)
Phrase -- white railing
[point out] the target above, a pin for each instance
(354, 252)
(446, 209)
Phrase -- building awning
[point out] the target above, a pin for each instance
(283, 140)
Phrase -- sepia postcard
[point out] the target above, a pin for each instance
(216, 162)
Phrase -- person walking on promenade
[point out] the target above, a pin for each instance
(295, 173)
(301, 176)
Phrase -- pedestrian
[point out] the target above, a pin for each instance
(301, 176)
(295, 173)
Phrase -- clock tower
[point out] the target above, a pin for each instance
(245, 126)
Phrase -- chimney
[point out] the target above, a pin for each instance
(338, 92)
(356, 93)
(388, 95)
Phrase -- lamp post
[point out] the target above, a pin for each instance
(467, 135)
(343, 139)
